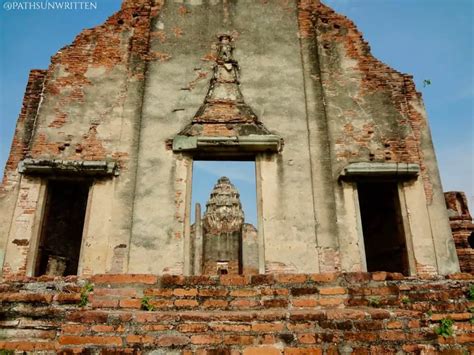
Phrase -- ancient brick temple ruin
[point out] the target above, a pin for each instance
(353, 248)
(225, 244)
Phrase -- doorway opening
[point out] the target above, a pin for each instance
(382, 225)
(224, 238)
(62, 226)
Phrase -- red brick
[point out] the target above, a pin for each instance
(172, 340)
(345, 314)
(379, 276)
(395, 276)
(145, 317)
(217, 292)
(192, 328)
(206, 339)
(304, 302)
(139, 339)
(267, 339)
(158, 292)
(186, 303)
(275, 303)
(73, 328)
(27, 345)
(172, 280)
(299, 327)
(181, 292)
(332, 291)
(103, 303)
(102, 328)
(263, 350)
(331, 302)
(222, 304)
(224, 327)
(306, 338)
(465, 338)
(234, 280)
(244, 293)
(392, 335)
(460, 276)
(267, 291)
(394, 325)
(88, 316)
(67, 297)
(131, 303)
(361, 336)
(267, 279)
(304, 291)
(354, 277)
(155, 327)
(291, 278)
(162, 304)
(303, 351)
(239, 340)
(325, 277)
(453, 316)
(267, 327)
(93, 340)
(26, 297)
(308, 315)
(124, 279)
(115, 292)
(244, 303)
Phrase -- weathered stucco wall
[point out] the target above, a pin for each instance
(86, 106)
(374, 114)
(121, 91)
(271, 77)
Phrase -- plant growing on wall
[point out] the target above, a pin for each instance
(470, 293)
(146, 305)
(445, 328)
(374, 301)
(85, 291)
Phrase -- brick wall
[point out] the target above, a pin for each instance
(24, 128)
(462, 228)
(260, 314)
(380, 115)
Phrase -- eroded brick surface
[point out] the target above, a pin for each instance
(373, 315)
(462, 228)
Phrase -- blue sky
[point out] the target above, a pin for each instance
(430, 39)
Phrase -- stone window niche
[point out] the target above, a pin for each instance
(59, 222)
(382, 226)
(62, 227)
(224, 238)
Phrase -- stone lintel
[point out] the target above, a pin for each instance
(374, 170)
(255, 143)
(68, 167)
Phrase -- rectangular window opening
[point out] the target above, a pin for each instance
(382, 225)
(62, 226)
(226, 242)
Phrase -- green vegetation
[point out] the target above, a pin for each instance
(85, 290)
(471, 293)
(146, 305)
(445, 328)
(406, 300)
(374, 301)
